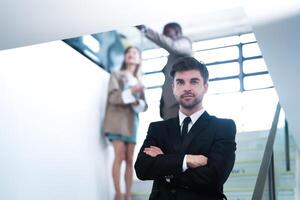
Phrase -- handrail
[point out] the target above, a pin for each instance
(287, 146)
(266, 160)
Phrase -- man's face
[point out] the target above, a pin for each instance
(171, 33)
(189, 88)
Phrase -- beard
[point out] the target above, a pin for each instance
(189, 104)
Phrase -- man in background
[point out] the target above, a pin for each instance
(173, 41)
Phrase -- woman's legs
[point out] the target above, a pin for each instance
(129, 169)
(119, 149)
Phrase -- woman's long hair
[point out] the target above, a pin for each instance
(137, 71)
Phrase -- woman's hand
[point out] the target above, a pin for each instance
(136, 103)
(137, 89)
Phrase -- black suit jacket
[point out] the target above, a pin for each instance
(209, 136)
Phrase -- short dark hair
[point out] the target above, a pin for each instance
(189, 63)
(175, 26)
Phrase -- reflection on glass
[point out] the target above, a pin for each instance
(223, 86)
(256, 82)
(155, 64)
(250, 50)
(91, 43)
(155, 79)
(220, 42)
(255, 65)
(154, 53)
(249, 37)
(221, 54)
(91, 55)
(223, 70)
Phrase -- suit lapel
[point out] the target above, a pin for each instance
(174, 134)
(196, 129)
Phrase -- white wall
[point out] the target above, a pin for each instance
(276, 25)
(52, 102)
(279, 42)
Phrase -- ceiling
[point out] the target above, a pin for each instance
(26, 22)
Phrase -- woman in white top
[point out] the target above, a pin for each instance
(125, 100)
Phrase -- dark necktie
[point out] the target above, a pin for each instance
(185, 127)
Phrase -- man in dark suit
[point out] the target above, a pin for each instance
(191, 156)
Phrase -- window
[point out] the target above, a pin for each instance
(224, 86)
(251, 110)
(259, 81)
(220, 54)
(250, 50)
(246, 38)
(154, 64)
(255, 65)
(154, 53)
(223, 70)
(153, 80)
(153, 95)
(215, 43)
(239, 85)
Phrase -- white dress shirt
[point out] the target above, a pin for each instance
(194, 117)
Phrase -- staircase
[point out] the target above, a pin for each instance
(250, 149)
(240, 185)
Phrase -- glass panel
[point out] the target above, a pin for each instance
(262, 101)
(230, 85)
(252, 132)
(255, 65)
(223, 70)
(91, 43)
(258, 81)
(155, 79)
(250, 50)
(284, 178)
(220, 42)
(91, 55)
(154, 53)
(222, 54)
(155, 64)
(250, 37)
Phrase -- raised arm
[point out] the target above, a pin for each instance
(181, 46)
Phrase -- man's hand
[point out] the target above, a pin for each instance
(142, 28)
(194, 161)
(153, 151)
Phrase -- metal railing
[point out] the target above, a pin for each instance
(266, 170)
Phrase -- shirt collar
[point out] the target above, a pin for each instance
(194, 117)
